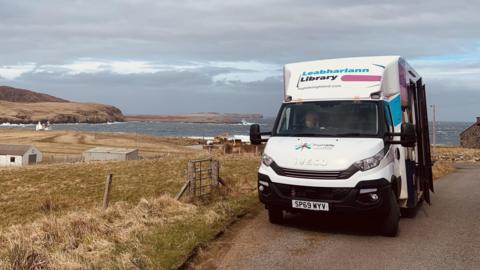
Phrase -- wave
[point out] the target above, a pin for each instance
(15, 125)
(243, 138)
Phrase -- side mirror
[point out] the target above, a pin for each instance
(408, 135)
(255, 135)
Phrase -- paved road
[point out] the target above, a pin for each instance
(445, 235)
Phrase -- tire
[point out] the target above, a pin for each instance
(390, 223)
(275, 215)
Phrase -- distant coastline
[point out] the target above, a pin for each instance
(211, 117)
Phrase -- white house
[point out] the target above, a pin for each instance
(19, 155)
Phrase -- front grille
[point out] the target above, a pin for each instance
(328, 175)
(314, 193)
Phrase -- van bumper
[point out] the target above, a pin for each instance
(340, 200)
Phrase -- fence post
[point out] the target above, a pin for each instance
(106, 195)
(215, 167)
(191, 176)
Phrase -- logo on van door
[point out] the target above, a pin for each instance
(314, 146)
(303, 146)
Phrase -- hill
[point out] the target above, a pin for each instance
(12, 94)
(20, 106)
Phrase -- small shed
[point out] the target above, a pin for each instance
(110, 153)
(19, 155)
(470, 137)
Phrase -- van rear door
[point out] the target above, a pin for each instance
(424, 166)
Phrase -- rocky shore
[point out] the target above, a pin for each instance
(58, 112)
(20, 106)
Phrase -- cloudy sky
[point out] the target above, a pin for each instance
(183, 56)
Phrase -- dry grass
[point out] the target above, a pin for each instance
(91, 239)
(60, 143)
(27, 193)
(123, 237)
(442, 168)
(50, 216)
(455, 154)
(444, 158)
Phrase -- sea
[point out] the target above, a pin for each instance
(447, 133)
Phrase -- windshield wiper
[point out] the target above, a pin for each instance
(313, 135)
(352, 134)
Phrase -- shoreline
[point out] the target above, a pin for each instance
(221, 118)
(170, 129)
(134, 121)
(243, 137)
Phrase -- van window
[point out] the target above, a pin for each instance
(388, 118)
(285, 119)
(329, 118)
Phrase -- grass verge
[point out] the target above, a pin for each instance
(171, 246)
(50, 215)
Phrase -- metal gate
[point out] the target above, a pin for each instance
(202, 177)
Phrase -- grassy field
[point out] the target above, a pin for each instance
(50, 215)
(67, 143)
(44, 208)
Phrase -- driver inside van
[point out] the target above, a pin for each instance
(311, 120)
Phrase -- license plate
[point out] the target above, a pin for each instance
(309, 205)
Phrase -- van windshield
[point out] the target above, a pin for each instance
(328, 119)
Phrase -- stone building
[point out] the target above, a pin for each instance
(470, 137)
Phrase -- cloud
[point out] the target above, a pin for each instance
(220, 71)
(97, 66)
(246, 71)
(457, 67)
(219, 48)
(234, 31)
(163, 92)
(15, 71)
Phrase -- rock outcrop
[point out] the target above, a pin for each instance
(19, 106)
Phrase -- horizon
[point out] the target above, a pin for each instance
(211, 112)
(228, 57)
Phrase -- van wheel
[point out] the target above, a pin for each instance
(275, 215)
(389, 224)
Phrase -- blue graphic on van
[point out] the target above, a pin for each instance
(396, 110)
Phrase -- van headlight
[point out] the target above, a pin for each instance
(267, 160)
(371, 162)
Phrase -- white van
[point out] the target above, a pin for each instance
(351, 137)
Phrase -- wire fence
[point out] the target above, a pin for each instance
(54, 159)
